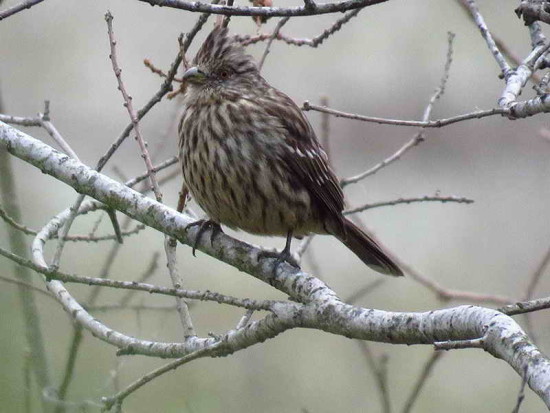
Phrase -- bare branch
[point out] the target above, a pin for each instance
(442, 199)
(480, 22)
(322, 8)
(446, 294)
(314, 42)
(363, 291)
(26, 4)
(25, 285)
(137, 286)
(170, 245)
(419, 136)
(135, 307)
(526, 306)
(130, 108)
(278, 27)
(148, 273)
(119, 397)
(521, 394)
(426, 371)
(396, 122)
(163, 165)
(158, 71)
(380, 373)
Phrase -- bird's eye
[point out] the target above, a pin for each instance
(224, 74)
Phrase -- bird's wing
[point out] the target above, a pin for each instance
(303, 154)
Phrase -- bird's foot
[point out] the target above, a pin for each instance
(280, 257)
(204, 225)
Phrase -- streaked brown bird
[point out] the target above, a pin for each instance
(251, 159)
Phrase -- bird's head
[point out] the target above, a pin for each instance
(221, 64)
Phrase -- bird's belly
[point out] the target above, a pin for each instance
(253, 194)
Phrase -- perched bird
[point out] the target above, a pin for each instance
(251, 159)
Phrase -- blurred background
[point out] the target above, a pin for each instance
(386, 62)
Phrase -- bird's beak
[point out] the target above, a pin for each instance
(194, 74)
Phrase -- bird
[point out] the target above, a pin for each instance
(251, 159)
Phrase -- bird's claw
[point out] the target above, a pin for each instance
(280, 257)
(204, 224)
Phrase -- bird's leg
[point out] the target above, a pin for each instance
(282, 256)
(204, 224)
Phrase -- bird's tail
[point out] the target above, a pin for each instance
(367, 249)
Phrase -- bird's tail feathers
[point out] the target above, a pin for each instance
(367, 249)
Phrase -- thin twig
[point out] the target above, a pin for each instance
(521, 394)
(148, 273)
(68, 372)
(136, 307)
(26, 285)
(119, 397)
(158, 71)
(130, 108)
(132, 285)
(54, 133)
(116, 226)
(96, 225)
(170, 245)
(163, 165)
(442, 199)
(439, 123)
(446, 294)
(365, 290)
(75, 238)
(278, 27)
(426, 371)
(314, 42)
(419, 136)
(379, 371)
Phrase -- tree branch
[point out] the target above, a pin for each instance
(322, 8)
(27, 4)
